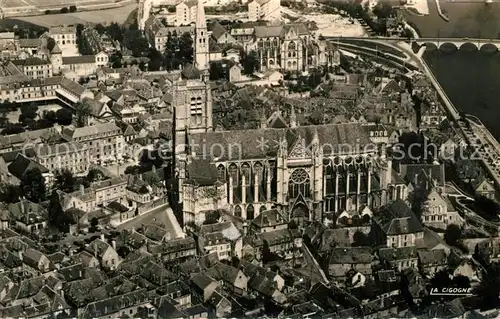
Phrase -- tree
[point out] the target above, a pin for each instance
(135, 42)
(65, 181)
(28, 113)
(250, 63)
(64, 10)
(115, 32)
(57, 217)
(360, 239)
(212, 217)
(170, 48)
(11, 129)
(100, 28)
(64, 116)
(316, 117)
(468, 170)
(418, 200)
(50, 116)
(94, 175)
(33, 185)
(155, 60)
(186, 51)
(452, 235)
(132, 170)
(9, 193)
(384, 10)
(216, 71)
(489, 288)
(267, 255)
(82, 111)
(51, 43)
(72, 9)
(149, 158)
(93, 225)
(116, 60)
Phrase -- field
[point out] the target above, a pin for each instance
(101, 16)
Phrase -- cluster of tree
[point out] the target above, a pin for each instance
(32, 186)
(306, 83)
(227, 9)
(113, 30)
(250, 62)
(361, 239)
(83, 45)
(62, 10)
(453, 235)
(418, 200)
(27, 120)
(212, 217)
(135, 42)
(267, 255)
(355, 9)
(487, 208)
(10, 193)
(28, 114)
(150, 158)
(178, 50)
(218, 72)
(58, 218)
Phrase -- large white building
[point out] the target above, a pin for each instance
(185, 12)
(264, 10)
(65, 37)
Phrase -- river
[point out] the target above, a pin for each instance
(470, 78)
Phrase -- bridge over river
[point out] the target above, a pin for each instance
(493, 44)
(474, 132)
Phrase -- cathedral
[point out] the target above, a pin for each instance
(308, 172)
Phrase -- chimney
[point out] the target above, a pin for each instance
(113, 244)
(82, 189)
(102, 237)
(20, 255)
(415, 179)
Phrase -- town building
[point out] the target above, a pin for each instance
(268, 10)
(73, 157)
(65, 37)
(105, 141)
(185, 12)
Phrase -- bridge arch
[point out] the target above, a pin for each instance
(488, 48)
(448, 46)
(430, 46)
(468, 46)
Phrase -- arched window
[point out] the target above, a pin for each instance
(237, 211)
(299, 183)
(221, 170)
(271, 62)
(262, 209)
(291, 46)
(233, 172)
(245, 170)
(289, 64)
(250, 212)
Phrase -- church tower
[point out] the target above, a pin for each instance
(201, 47)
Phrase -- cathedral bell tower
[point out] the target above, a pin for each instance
(201, 41)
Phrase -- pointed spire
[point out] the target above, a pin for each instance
(201, 22)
